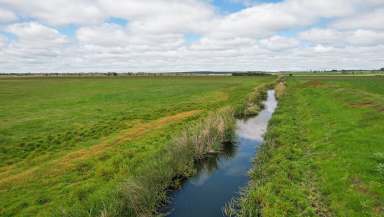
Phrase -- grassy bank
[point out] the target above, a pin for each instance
(323, 154)
(107, 146)
(143, 195)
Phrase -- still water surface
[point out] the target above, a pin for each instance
(220, 177)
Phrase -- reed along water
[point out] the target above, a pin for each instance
(220, 177)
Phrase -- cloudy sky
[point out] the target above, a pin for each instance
(185, 35)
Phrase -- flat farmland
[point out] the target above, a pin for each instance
(67, 144)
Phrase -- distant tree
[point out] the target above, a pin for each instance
(112, 74)
(382, 69)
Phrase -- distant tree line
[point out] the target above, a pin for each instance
(250, 74)
(84, 74)
(192, 73)
(342, 71)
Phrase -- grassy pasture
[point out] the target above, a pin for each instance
(324, 151)
(66, 144)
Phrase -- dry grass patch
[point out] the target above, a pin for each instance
(280, 89)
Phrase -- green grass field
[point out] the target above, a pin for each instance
(107, 146)
(68, 144)
(324, 151)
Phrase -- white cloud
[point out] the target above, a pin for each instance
(215, 44)
(161, 16)
(279, 43)
(58, 12)
(263, 20)
(359, 37)
(7, 16)
(322, 49)
(258, 21)
(3, 41)
(322, 36)
(115, 36)
(36, 35)
(104, 35)
(369, 20)
(148, 15)
(34, 47)
(366, 38)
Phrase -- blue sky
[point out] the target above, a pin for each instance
(174, 35)
(228, 6)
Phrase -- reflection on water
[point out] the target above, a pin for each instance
(254, 128)
(220, 176)
(229, 149)
(211, 162)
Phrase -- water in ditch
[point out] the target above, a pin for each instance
(221, 177)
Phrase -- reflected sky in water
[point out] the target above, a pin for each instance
(255, 128)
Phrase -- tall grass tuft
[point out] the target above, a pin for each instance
(208, 135)
(280, 89)
(379, 157)
(253, 104)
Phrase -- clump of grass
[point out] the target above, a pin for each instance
(280, 88)
(232, 208)
(253, 104)
(380, 169)
(209, 134)
(379, 157)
